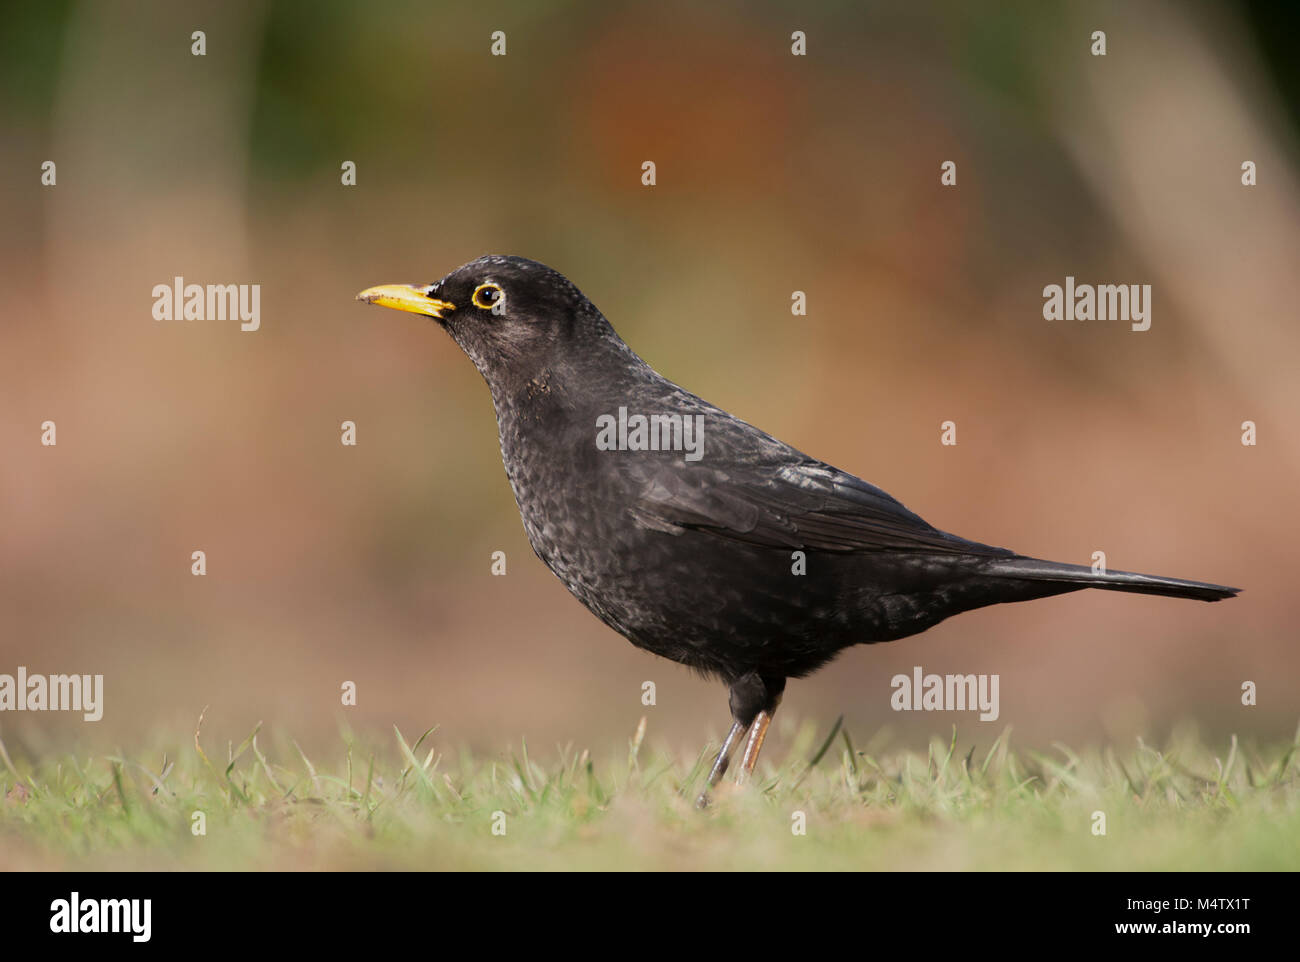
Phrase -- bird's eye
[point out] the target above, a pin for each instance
(486, 296)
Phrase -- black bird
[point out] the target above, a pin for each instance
(688, 549)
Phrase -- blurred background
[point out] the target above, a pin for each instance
(775, 173)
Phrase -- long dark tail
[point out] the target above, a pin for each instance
(1052, 572)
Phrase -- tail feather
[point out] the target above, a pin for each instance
(1034, 569)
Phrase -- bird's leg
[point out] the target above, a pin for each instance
(753, 699)
(755, 744)
(721, 762)
(724, 754)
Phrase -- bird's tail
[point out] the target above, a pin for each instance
(1052, 572)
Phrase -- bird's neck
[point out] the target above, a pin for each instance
(548, 422)
(575, 385)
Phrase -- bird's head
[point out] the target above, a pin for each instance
(514, 317)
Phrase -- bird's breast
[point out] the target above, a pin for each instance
(574, 501)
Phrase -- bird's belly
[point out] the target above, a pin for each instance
(719, 606)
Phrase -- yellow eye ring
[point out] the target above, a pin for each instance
(494, 293)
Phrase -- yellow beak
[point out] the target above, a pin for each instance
(406, 297)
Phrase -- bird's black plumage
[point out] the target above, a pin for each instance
(693, 560)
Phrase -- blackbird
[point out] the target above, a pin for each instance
(693, 534)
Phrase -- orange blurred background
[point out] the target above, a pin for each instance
(775, 173)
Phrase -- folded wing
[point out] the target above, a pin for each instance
(796, 504)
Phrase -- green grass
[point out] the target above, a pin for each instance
(415, 802)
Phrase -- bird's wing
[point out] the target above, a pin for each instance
(793, 503)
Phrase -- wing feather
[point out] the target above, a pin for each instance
(797, 505)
